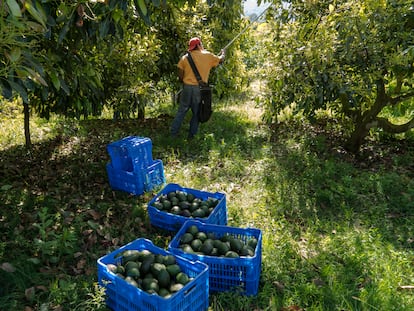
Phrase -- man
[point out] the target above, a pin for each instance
(190, 95)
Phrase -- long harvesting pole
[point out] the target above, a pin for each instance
(176, 95)
(245, 29)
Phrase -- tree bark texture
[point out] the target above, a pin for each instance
(26, 111)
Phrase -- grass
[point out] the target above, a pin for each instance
(337, 229)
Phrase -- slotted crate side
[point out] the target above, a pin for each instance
(137, 182)
(130, 182)
(123, 296)
(226, 274)
(154, 175)
(173, 223)
(131, 153)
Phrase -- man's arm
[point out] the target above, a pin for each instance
(180, 74)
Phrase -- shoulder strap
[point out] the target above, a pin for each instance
(193, 66)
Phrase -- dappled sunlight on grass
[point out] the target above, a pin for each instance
(337, 231)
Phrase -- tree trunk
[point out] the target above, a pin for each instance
(141, 113)
(367, 120)
(26, 111)
(354, 143)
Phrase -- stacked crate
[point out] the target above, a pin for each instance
(122, 295)
(242, 274)
(132, 168)
(173, 222)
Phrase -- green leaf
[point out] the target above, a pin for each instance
(6, 91)
(116, 15)
(36, 11)
(55, 80)
(104, 28)
(63, 32)
(142, 7)
(64, 86)
(15, 54)
(142, 10)
(20, 90)
(35, 26)
(34, 260)
(6, 187)
(35, 76)
(14, 8)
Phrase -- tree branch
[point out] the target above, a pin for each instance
(398, 99)
(389, 127)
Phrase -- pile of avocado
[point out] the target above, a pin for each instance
(185, 204)
(153, 273)
(194, 241)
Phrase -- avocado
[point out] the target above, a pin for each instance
(193, 229)
(186, 238)
(164, 278)
(171, 195)
(182, 278)
(196, 244)
(173, 270)
(133, 272)
(130, 280)
(232, 254)
(202, 236)
(236, 245)
(169, 260)
(146, 264)
(252, 242)
(164, 292)
(156, 268)
(176, 287)
(190, 197)
(130, 255)
(207, 247)
(199, 213)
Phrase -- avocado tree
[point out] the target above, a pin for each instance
(74, 57)
(354, 58)
(54, 60)
(216, 23)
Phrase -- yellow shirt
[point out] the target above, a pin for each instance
(203, 60)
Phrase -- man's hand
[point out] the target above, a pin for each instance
(180, 74)
(222, 55)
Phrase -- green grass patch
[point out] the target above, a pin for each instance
(337, 229)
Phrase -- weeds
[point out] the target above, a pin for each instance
(337, 229)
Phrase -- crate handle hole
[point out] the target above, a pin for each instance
(188, 291)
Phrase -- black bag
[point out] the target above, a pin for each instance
(205, 109)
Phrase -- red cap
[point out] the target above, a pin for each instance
(193, 43)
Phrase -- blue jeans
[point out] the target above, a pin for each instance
(190, 99)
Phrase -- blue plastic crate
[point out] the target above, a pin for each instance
(131, 153)
(226, 274)
(136, 182)
(171, 222)
(121, 295)
(154, 175)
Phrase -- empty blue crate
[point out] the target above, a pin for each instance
(131, 153)
(124, 294)
(227, 272)
(168, 213)
(136, 182)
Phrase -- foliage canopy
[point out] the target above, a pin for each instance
(352, 57)
(75, 57)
